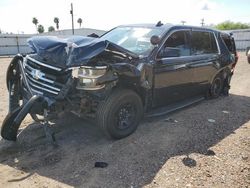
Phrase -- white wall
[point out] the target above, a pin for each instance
(11, 44)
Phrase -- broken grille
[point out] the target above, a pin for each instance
(43, 79)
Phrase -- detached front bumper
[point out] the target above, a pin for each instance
(37, 92)
(13, 120)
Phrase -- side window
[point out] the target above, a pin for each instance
(214, 47)
(229, 43)
(176, 45)
(203, 43)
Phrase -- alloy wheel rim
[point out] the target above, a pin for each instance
(125, 116)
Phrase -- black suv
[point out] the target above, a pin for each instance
(115, 79)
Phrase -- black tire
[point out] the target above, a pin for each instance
(120, 114)
(226, 84)
(216, 86)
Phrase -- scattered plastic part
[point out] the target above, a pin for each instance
(101, 164)
(16, 160)
(187, 161)
(171, 120)
(209, 152)
(211, 120)
(225, 112)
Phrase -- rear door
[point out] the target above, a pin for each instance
(205, 52)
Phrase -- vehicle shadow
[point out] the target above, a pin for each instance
(133, 161)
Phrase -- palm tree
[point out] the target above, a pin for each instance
(35, 21)
(40, 29)
(51, 28)
(79, 21)
(56, 21)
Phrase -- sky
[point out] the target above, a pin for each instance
(16, 15)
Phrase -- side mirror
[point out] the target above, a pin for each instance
(169, 52)
(155, 40)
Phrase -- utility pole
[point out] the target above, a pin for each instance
(183, 22)
(202, 22)
(72, 16)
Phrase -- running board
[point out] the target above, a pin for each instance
(173, 107)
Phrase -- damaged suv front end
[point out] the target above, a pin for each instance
(78, 75)
(115, 79)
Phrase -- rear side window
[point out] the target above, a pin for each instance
(229, 42)
(203, 43)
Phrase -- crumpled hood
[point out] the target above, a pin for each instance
(73, 51)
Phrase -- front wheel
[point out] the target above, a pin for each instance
(120, 114)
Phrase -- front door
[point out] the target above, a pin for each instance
(173, 79)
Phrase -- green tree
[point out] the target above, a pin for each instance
(79, 21)
(51, 28)
(35, 21)
(229, 25)
(40, 29)
(56, 21)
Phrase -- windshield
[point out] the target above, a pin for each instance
(134, 39)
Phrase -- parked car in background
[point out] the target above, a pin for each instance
(248, 54)
(130, 71)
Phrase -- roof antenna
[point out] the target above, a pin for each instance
(159, 24)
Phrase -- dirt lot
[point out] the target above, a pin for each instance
(188, 152)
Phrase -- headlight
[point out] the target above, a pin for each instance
(88, 77)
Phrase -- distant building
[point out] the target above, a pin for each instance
(81, 31)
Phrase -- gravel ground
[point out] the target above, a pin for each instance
(182, 149)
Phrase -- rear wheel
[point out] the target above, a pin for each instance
(120, 114)
(216, 87)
